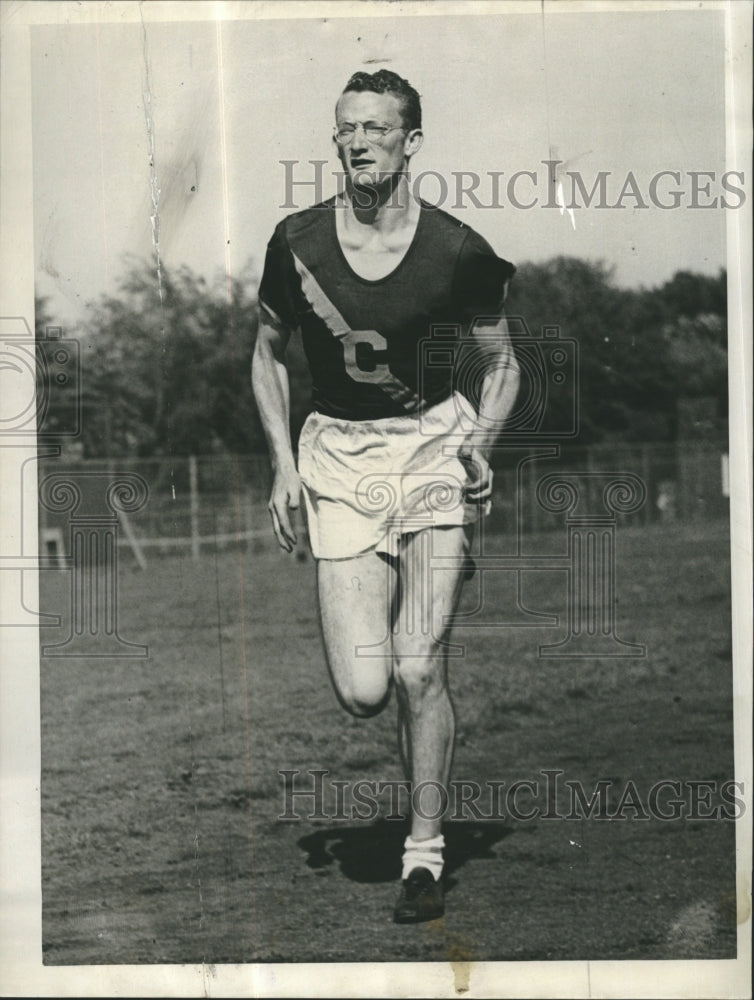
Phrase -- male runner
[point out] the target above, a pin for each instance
(391, 483)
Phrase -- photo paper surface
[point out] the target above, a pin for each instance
(196, 802)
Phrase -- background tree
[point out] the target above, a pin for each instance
(167, 368)
(640, 351)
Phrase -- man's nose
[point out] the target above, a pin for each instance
(359, 141)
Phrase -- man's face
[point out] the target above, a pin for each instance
(367, 162)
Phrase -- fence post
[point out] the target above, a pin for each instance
(536, 521)
(194, 495)
(647, 509)
(681, 479)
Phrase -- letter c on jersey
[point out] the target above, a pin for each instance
(351, 341)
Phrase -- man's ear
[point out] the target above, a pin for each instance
(413, 142)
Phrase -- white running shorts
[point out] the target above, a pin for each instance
(367, 482)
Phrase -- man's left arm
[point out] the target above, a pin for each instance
(497, 396)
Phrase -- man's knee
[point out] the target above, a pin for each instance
(364, 698)
(419, 671)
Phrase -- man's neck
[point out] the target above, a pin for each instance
(387, 207)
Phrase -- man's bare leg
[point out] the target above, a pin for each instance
(355, 597)
(426, 717)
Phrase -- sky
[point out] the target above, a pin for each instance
(196, 118)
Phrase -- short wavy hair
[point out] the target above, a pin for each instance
(384, 81)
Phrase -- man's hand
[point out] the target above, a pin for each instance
(286, 494)
(479, 487)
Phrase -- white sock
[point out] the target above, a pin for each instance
(423, 854)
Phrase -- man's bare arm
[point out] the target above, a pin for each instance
(269, 379)
(497, 397)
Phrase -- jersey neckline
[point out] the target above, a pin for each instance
(391, 274)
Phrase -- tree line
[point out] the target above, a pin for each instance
(165, 366)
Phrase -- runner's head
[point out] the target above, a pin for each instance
(384, 81)
(377, 126)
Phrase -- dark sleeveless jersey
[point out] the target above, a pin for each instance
(363, 339)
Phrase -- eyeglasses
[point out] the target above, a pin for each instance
(373, 132)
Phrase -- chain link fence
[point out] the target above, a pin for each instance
(198, 504)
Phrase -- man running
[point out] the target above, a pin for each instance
(393, 460)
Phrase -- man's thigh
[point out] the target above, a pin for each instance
(355, 601)
(430, 591)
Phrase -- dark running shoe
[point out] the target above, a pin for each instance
(421, 898)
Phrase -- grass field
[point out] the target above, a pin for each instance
(161, 793)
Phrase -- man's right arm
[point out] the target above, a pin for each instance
(269, 379)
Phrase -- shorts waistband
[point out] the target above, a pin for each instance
(376, 423)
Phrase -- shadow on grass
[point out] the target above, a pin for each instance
(373, 853)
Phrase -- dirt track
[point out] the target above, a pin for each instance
(161, 792)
